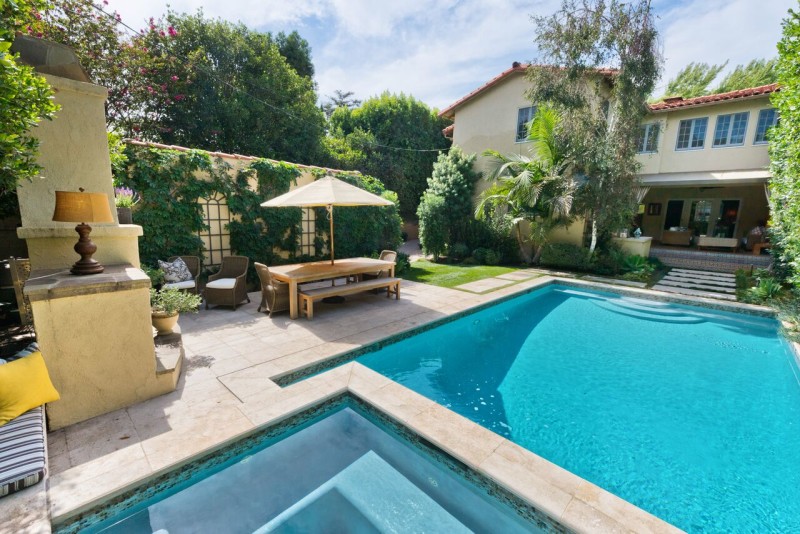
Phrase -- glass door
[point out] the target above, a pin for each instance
(673, 215)
(700, 216)
(728, 217)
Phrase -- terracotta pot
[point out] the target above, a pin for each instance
(164, 323)
(124, 215)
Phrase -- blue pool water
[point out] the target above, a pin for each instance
(338, 472)
(689, 413)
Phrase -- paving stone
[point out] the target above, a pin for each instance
(693, 292)
(517, 275)
(481, 286)
(629, 283)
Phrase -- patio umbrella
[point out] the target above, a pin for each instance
(328, 192)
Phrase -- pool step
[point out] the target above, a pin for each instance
(649, 314)
(655, 308)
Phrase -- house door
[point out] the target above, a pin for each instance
(674, 212)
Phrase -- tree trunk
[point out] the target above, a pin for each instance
(593, 243)
(538, 255)
(522, 251)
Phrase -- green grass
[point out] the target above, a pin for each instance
(444, 275)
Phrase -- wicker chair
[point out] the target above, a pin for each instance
(274, 294)
(20, 272)
(228, 287)
(193, 263)
(386, 255)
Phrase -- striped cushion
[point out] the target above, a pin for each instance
(22, 451)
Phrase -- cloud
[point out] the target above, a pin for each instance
(440, 50)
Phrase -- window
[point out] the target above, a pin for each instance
(648, 138)
(730, 129)
(217, 238)
(524, 117)
(767, 118)
(692, 134)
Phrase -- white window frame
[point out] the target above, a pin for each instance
(693, 123)
(729, 129)
(651, 129)
(531, 114)
(766, 128)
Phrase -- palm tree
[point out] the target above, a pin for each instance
(538, 189)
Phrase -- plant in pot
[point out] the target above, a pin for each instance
(166, 304)
(125, 198)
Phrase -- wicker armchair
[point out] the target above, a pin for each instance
(193, 263)
(20, 272)
(386, 255)
(274, 294)
(228, 287)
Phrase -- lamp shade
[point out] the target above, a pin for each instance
(80, 207)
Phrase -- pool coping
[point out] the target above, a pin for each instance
(566, 498)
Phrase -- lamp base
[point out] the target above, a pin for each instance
(85, 247)
(81, 267)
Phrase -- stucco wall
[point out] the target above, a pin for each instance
(669, 160)
(99, 352)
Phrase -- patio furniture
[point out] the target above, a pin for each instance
(677, 237)
(228, 287)
(299, 273)
(758, 247)
(23, 461)
(386, 255)
(307, 297)
(705, 241)
(274, 294)
(193, 263)
(20, 272)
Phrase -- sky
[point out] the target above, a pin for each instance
(440, 50)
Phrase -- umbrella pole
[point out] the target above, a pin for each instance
(330, 218)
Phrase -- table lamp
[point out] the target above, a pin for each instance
(82, 207)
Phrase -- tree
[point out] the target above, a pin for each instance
(785, 153)
(453, 179)
(538, 190)
(338, 100)
(432, 225)
(25, 99)
(400, 138)
(756, 73)
(203, 83)
(601, 108)
(693, 80)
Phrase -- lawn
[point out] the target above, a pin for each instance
(445, 275)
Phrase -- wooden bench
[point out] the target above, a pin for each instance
(307, 297)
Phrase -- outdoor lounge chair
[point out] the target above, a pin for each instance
(228, 287)
(193, 263)
(386, 255)
(274, 294)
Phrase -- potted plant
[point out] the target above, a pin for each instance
(166, 304)
(124, 199)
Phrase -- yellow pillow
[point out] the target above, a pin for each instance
(24, 385)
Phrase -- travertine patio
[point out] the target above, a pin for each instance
(227, 389)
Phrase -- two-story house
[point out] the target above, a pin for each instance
(704, 160)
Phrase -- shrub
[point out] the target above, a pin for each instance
(402, 263)
(767, 289)
(170, 301)
(479, 255)
(457, 252)
(432, 225)
(491, 258)
(567, 256)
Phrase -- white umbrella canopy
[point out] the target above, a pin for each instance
(328, 192)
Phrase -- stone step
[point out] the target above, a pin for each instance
(693, 292)
(705, 273)
(696, 285)
(697, 280)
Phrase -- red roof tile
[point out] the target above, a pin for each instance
(448, 131)
(678, 102)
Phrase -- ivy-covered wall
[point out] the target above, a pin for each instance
(170, 182)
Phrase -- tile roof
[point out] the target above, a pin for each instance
(448, 131)
(230, 156)
(679, 102)
(516, 68)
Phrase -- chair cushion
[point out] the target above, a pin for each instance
(22, 451)
(222, 283)
(24, 385)
(175, 271)
(30, 349)
(180, 285)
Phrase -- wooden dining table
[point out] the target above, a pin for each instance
(299, 273)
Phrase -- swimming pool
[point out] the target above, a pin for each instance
(690, 413)
(340, 467)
